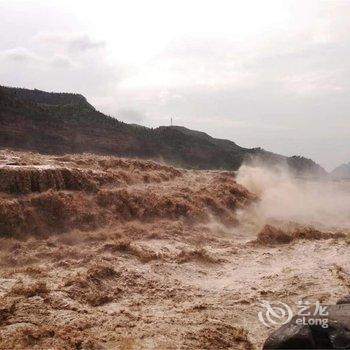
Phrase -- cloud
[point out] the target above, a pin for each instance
(71, 43)
(314, 83)
(20, 55)
(23, 56)
(84, 43)
(166, 97)
(60, 61)
(270, 74)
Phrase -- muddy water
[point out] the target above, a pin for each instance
(168, 282)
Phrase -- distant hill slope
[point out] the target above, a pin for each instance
(60, 123)
(341, 172)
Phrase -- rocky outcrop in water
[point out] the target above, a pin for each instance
(315, 336)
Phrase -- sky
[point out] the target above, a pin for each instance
(273, 74)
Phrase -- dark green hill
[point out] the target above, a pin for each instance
(59, 123)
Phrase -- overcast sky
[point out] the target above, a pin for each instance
(274, 74)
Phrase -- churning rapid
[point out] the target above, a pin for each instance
(322, 203)
(104, 252)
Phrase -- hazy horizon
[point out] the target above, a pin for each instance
(271, 74)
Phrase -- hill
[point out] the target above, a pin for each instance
(59, 123)
(341, 172)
